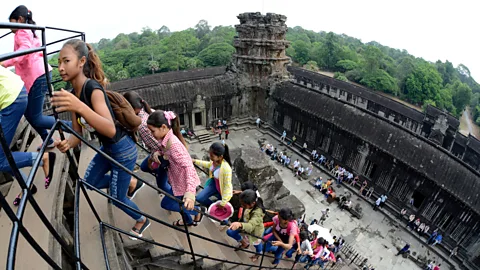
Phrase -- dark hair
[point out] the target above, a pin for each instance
(321, 241)
(219, 149)
(303, 236)
(93, 68)
(137, 102)
(23, 11)
(157, 119)
(249, 185)
(286, 214)
(249, 196)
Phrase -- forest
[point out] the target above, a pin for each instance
(378, 67)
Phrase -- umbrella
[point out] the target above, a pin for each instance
(322, 232)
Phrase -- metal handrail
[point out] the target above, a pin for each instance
(59, 126)
(180, 202)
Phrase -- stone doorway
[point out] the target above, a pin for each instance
(418, 199)
(198, 119)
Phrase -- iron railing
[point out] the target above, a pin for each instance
(74, 256)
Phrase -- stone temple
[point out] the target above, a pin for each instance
(400, 151)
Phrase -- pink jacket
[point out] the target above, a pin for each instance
(29, 67)
(181, 173)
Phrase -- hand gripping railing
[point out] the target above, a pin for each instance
(74, 256)
(82, 183)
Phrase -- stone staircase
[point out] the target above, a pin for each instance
(123, 253)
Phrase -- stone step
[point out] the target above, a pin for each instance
(26, 256)
(148, 200)
(200, 246)
(91, 249)
(219, 233)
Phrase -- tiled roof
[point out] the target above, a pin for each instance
(360, 91)
(182, 91)
(435, 112)
(167, 77)
(461, 181)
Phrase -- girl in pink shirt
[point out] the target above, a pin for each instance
(31, 69)
(182, 177)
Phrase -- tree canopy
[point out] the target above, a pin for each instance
(370, 64)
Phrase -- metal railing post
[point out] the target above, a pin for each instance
(187, 233)
(263, 254)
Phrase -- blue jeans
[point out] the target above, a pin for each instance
(171, 205)
(291, 251)
(235, 234)
(160, 174)
(277, 249)
(9, 119)
(34, 112)
(208, 191)
(125, 152)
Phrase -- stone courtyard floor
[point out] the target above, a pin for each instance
(374, 236)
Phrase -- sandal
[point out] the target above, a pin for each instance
(138, 186)
(177, 223)
(51, 159)
(202, 210)
(33, 190)
(138, 232)
(241, 246)
(50, 146)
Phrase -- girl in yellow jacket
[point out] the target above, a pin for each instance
(219, 183)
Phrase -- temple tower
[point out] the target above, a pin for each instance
(260, 60)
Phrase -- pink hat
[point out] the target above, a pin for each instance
(220, 213)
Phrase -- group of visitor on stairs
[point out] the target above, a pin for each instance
(95, 109)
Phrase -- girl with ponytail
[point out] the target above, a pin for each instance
(31, 69)
(182, 176)
(80, 65)
(219, 183)
(253, 222)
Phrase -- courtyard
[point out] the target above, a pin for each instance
(374, 236)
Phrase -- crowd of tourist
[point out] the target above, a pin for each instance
(169, 161)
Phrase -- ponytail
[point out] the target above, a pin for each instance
(137, 102)
(23, 11)
(158, 118)
(147, 107)
(93, 67)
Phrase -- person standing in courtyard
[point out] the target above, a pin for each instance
(258, 122)
(284, 135)
(227, 131)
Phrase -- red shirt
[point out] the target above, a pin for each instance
(181, 173)
(436, 267)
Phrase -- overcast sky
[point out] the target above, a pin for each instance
(425, 28)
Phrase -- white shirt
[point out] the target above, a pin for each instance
(296, 163)
(284, 134)
(258, 120)
(384, 198)
(314, 152)
(306, 246)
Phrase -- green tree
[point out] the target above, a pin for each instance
(340, 76)
(218, 54)
(423, 83)
(346, 65)
(302, 51)
(461, 95)
(330, 51)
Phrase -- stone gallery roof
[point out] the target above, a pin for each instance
(360, 91)
(167, 77)
(179, 86)
(474, 143)
(435, 112)
(414, 151)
